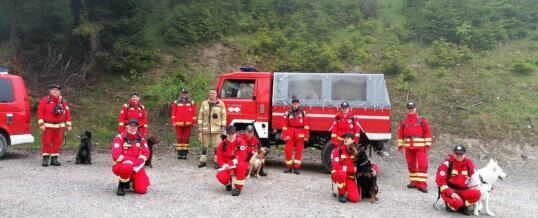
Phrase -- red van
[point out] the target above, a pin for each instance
(15, 127)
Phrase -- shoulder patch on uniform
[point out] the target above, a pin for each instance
(242, 148)
(442, 173)
(117, 145)
(146, 145)
(67, 107)
(336, 159)
(125, 105)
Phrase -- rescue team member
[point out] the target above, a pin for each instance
(129, 153)
(344, 170)
(53, 117)
(133, 109)
(415, 138)
(344, 122)
(231, 157)
(211, 123)
(295, 132)
(183, 118)
(453, 182)
(253, 146)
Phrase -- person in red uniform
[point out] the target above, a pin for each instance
(231, 158)
(133, 109)
(343, 173)
(453, 185)
(415, 138)
(53, 116)
(183, 118)
(253, 145)
(344, 122)
(295, 132)
(129, 153)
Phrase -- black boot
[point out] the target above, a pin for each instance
(127, 185)
(236, 192)
(202, 164)
(45, 160)
(229, 187)
(216, 166)
(185, 153)
(342, 198)
(288, 170)
(464, 211)
(179, 154)
(296, 171)
(262, 173)
(54, 161)
(121, 189)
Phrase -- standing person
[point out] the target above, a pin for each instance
(415, 138)
(53, 116)
(295, 132)
(183, 118)
(133, 109)
(231, 157)
(344, 122)
(253, 145)
(344, 170)
(211, 123)
(129, 153)
(452, 179)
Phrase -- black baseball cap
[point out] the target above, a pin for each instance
(459, 149)
(184, 91)
(250, 128)
(56, 86)
(344, 104)
(295, 100)
(135, 93)
(410, 105)
(133, 120)
(348, 134)
(231, 129)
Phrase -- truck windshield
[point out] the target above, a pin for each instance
(237, 89)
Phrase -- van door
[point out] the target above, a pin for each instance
(240, 100)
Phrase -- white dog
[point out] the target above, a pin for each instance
(484, 179)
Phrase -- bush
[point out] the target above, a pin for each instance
(446, 54)
(522, 67)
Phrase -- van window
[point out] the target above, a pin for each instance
(304, 87)
(346, 88)
(237, 89)
(6, 91)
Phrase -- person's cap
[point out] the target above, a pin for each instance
(231, 128)
(132, 120)
(250, 128)
(410, 105)
(295, 100)
(184, 91)
(56, 86)
(459, 149)
(135, 93)
(348, 134)
(344, 104)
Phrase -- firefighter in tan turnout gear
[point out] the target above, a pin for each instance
(211, 123)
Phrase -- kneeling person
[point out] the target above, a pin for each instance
(129, 153)
(231, 158)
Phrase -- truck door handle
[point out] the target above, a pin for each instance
(254, 98)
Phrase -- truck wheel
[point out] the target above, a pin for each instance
(326, 156)
(3, 145)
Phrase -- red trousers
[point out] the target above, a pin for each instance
(469, 197)
(183, 136)
(417, 163)
(52, 140)
(126, 173)
(240, 171)
(346, 184)
(298, 143)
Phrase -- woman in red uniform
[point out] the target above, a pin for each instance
(133, 109)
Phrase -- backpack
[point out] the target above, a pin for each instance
(419, 118)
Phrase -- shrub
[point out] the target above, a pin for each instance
(522, 67)
(446, 54)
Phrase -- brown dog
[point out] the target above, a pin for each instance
(255, 163)
(152, 140)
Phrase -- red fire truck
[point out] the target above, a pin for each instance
(261, 98)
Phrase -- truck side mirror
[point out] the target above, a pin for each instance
(254, 98)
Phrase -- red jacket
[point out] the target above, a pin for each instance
(343, 124)
(131, 147)
(184, 112)
(231, 153)
(295, 124)
(457, 179)
(414, 134)
(46, 116)
(132, 110)
(342, 160)
(252, 143)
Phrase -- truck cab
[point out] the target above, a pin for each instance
(15, 127)
(262, 98)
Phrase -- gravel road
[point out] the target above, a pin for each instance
(180, 188)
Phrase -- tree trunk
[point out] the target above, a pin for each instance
(13, 37)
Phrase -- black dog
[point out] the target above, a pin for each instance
(366, 181)
(152, 140)
(84, 155)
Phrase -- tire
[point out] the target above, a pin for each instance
(326, 156)
(3, 145)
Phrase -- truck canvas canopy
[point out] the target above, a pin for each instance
(330, 89)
